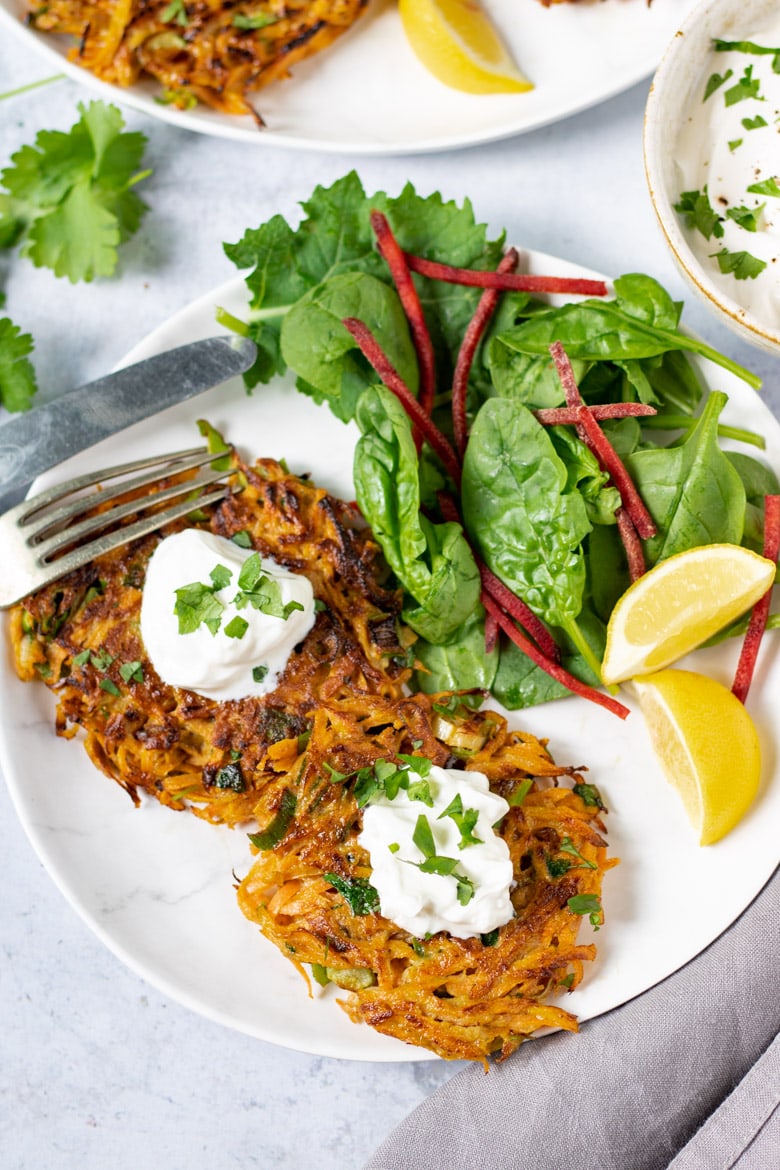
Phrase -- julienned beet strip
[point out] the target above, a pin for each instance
(555, 416)
(554, 669)
(472, 337)
(758, 618)
(373, 352)
(395, 258)
(635, 554)
(592, 435)
(518, 609)
(507, 281)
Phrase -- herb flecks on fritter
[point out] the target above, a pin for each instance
(211, 51)
(310, 891)
(81, 636)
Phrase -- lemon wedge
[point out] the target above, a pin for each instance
(707, 745)
(678, 604)
(457, 42)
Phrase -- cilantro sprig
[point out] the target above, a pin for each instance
(68, 199)
(437, 863)
(17, 375)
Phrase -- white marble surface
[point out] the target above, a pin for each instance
(98, 1069)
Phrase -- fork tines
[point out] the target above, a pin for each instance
(43, 538)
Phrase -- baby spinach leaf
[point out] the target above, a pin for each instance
(758, 481)
(692, 490)
(530, 379)
(583, 472)
(316, 345)
(644, 298)
(527, 526)
(432, 561)
(460, 664)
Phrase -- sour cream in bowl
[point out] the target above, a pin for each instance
(712, 160)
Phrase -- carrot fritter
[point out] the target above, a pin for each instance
(212, 51)
(81, 636)
(460, 998)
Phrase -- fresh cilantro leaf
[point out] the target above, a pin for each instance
(443, 866)
(242, 538)
(258, 672)
(423, 837)
(108, 685)
(587, 904)
(766, 187)
(699, 213)
(358, 893)
(490, 939)
(734, 143)
(257, 20)
(746, 217)
(751, 47)
(197, 605)
(393, 846)
(754, 123)
(237, 627)
(568, 846)
(742, 265)
(101, 659)
(557, 866)
(747, 87)
(261, 591)
(715, 81)
(131, 672)
(69, 198)
(17, 376)
(221, 576)
(465, 821)
(82, 658)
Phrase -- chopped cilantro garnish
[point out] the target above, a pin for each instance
(746, 217)
(197, 605)
(699, 213)
(221, 576)
(734, 143)
(490, 939)
(242, 538)
(260, 591)
(742, 265)
(423, 837)
(393, 846)
(258, 672)
(568, 846)
(82, 658)
(175, 11)
(715, 81)
(465, 820)
(108, 684)
(236, 627)
(520, 793)
(101, 659)
(590, 795)
(766, 187)
(132, 672)
(587, 904)
(754, 123)
(747, 87)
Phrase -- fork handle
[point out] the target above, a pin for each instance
(39, 439)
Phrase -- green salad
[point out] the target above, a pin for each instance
(497, 485)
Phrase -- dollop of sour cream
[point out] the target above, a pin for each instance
(215, 662)
(729, 152)
(424, 903)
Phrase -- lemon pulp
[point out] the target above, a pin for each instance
(707, 745)
(458, 44)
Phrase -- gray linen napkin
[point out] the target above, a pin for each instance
(684, 1077)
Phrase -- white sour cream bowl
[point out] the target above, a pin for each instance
(215, 664)
(692, 142)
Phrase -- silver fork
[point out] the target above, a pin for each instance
(42, 538)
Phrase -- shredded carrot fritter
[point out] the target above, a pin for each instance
(211, 51)
(183, 749)
(460, 998)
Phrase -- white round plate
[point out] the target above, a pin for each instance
(368, 93)
(157, 885)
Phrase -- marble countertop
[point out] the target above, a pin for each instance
(99, 1069)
